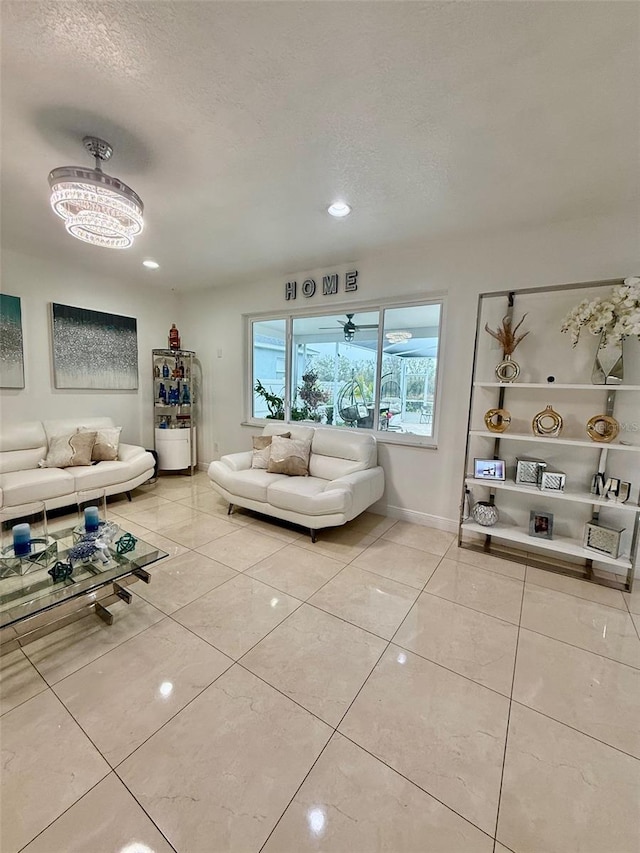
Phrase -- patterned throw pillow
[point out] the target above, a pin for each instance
(262, 450)
(67, 450)
(289, 456)
(107, 441)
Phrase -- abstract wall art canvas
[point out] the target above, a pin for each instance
(11, 354)
(94, 350)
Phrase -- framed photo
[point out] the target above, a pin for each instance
(489, 469)
(11, 355)
(606, 540)
(541, 524)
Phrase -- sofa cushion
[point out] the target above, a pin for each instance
(278, 428)
(105, 448)
(65, 426)
(307, 495)
(22, 446)
(262, 450)
(252, 483)
(289, 456)
(37, 484)
(67, 450)
(100, 475)
(336, 453)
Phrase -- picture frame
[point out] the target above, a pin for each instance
(541, 524)
(605, 540)
(552, 481)
(529, 471)
(489, 469)
(11, 342)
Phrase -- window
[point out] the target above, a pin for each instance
(375, 368)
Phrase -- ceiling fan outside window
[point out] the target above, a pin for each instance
(350, 328)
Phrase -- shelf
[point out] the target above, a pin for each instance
(562, 386)
(573, 442)
(561, 545)
(575, 497)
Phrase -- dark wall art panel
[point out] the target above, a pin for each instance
(11, 354)
(94, 350)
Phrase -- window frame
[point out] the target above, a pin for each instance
(382, 305)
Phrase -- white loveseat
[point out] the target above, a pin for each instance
(344, 479)
(22, 482)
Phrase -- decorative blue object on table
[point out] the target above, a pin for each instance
(127, 542)
(61, 571)
(91, 519)
(21, 540)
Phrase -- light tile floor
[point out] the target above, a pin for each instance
(381, 690)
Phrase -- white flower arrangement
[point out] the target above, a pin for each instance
(614, 318)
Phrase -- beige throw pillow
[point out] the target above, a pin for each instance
(67, 450)
(107, 441)
(262, 450)
(289, 456)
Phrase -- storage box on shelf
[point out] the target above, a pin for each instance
(547, 353)
(174, 407)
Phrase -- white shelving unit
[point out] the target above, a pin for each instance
(575, 505)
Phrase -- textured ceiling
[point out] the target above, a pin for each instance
(239, 122)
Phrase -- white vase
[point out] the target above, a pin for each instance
(608, 367)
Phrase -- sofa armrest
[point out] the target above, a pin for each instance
(127, 452)
(366, 487)
(238, 461)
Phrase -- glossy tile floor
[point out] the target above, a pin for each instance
(378, 691)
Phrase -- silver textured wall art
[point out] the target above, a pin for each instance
(11, 354)
(93, 349)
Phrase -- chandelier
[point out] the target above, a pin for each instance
(398, 337)
(96, 208)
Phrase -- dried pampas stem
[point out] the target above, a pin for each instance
(506, 336)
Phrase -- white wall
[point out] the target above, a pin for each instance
(38, 284)
(420, 483)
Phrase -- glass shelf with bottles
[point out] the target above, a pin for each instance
(172, 371)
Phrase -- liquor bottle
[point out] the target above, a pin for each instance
(165, 370)
(174, 337)
(162, 393)
(181, 369)
(156, 372)
(186, 397)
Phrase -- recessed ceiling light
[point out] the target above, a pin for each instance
(339, 209)
(151, 265)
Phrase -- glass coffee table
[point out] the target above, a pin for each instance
(33, 604)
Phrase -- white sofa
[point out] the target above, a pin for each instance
(344, 479)
(22, 482)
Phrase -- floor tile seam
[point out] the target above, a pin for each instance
(279, 690)
(119, 764)
(386, 577)
(573, 595)
(486, 569)
(425, 591)
(144, 810)
(20, 704)
(295, 793)
(448, 669)
(506, 733)
(581, 648)
(233, 532)
(285, 592)
(62, 813)
(415, 784)
(200, 595)
(226, 654)
(106, 652)
(86, 734)
(575, 729)
(354, 624)
(377, 575)
(423, 550)
(468, 607)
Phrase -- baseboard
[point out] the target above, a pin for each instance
(415, 517)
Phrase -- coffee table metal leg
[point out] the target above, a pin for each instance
(103, 613)
(122, 593)
(142, 575)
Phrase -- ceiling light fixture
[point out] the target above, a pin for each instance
(339, 209)
(96, 208)
(398, 337)
(150, 265)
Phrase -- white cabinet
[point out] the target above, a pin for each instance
(548, 355)
(175, 392)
